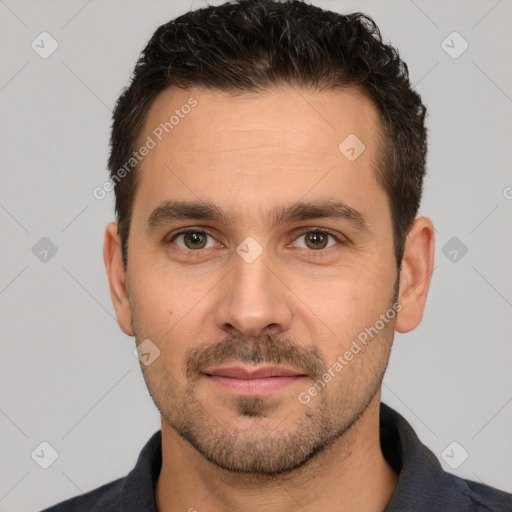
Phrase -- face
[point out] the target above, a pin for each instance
(260, 251)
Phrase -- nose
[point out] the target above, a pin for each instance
(253, 299)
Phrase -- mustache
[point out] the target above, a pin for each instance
(268, 348)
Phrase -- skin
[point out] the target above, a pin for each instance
(246, 154)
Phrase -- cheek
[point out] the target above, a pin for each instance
(154, 310)
(167, 306)
(342, 308)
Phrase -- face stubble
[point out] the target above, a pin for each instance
(267, 444)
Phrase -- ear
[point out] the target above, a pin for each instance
(415, 274)
(116, 272)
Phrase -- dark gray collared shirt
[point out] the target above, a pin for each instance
(423, 485)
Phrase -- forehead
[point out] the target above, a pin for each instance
(286, 119)
(289, 141)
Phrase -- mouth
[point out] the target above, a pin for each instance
(251, 381)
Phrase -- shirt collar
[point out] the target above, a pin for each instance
(138, 490)
(417, 467)
(419, 472)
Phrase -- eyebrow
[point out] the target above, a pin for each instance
(171, 211)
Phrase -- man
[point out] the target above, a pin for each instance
(268, 160)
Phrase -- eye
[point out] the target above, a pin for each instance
(193, 239)
(316, 240)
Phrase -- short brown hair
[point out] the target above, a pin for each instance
(252, 45)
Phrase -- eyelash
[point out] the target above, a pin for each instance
(311, 253)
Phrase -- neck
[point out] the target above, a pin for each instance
(349, 475)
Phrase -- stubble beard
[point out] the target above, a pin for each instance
(270, 445)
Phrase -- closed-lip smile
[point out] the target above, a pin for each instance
(253, 381)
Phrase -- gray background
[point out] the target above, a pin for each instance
(68, 374)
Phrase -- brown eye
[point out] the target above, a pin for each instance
(193, 240)
(316, 240)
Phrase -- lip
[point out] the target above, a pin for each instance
(244, 372)
(260, 381)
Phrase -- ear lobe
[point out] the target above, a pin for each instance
(112, 255)
(415, 274)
